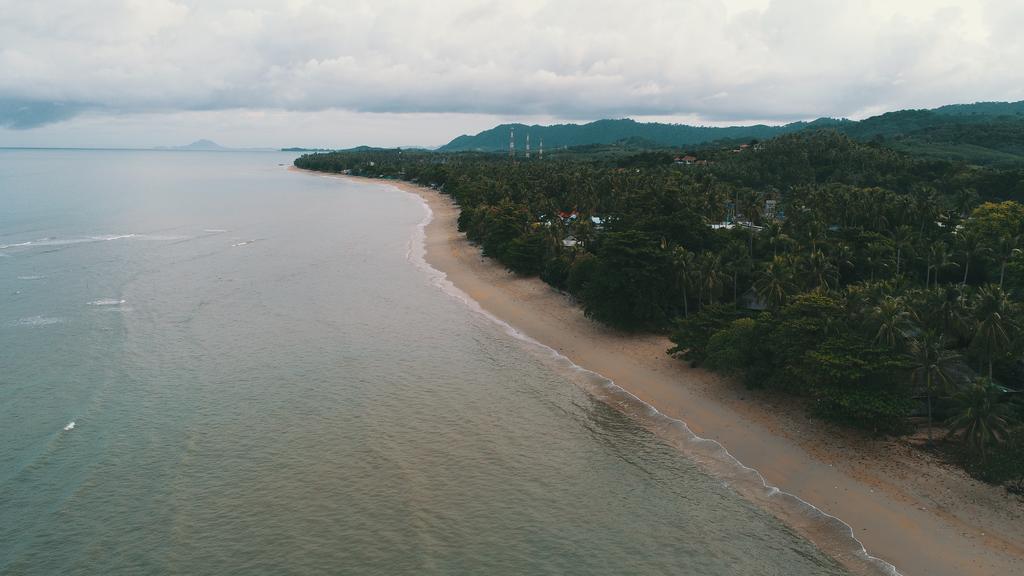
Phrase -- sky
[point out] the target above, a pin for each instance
(320, 73)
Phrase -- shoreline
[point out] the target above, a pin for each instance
(906, 508)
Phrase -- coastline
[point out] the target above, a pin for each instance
(907, 509)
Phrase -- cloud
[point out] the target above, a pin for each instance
(575, 59)
(25, 114)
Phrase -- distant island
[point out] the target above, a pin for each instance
(204, 145)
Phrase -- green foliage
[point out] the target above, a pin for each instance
(733, 349)
(692, 334)
(631, 287)
(525, 254)
(857, 382)
(982, 417)
(556, 272)
(1005, 462)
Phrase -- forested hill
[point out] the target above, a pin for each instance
(612, 131)
(985, 133)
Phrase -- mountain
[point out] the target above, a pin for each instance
(201, 145)
(612, 131)
(987, 133)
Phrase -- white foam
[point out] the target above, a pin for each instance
(416, 254)
(33, 277)
(242, 243)
(215, 230)
(38, 321)
(15, 245)
(54, 241)
(107, 302)
(70, 426)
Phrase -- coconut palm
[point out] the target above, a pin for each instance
(710, 266)
(877, 257)
(685, 264)
(821, 271)
(991, 307)
(892, 320)
(774, 284)
(842, 259)
(932, 366)
(902, 239)
(981, 416)
(971, 246)
(939, 260)
(1008, 249)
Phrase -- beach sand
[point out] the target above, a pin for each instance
(924, 517)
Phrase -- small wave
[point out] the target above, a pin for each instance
(15, 245)
(70, 426)
(215, 230)
(38, 321)
(32, 277)
(51, 241)
(107, 302)
(242, 243)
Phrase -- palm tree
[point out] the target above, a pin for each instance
(939, 260)
(821, 271)
(1008, 249)
(902, 240)
(776, 237)
(932, 364)
(995, 323)
(774, 283)
(684, 263)
(710, 265)
(981, 416)
(842, 258)
(877, 257)
(892, 318)
(971, 246)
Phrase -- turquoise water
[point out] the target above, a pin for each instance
(262, 380)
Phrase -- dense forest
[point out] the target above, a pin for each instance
(880, 289)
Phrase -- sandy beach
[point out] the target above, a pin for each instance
(922, 516)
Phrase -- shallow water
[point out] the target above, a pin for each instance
(262, 380)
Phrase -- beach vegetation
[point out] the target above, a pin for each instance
(873, 285)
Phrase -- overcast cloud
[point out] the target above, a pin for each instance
(71, 68)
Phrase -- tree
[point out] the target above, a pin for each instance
(902, 240)
(981, 416)
(733, 349)
(684, 263)
(994, 323)
(775, 282)
(631, 287)
(1008, 249)
(939, 260)
(822, 273)
(710, 265)
(931, 365)
(971, 246)
(892, 320)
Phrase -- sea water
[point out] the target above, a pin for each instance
(210, 364)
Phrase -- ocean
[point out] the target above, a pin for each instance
(211, 364)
